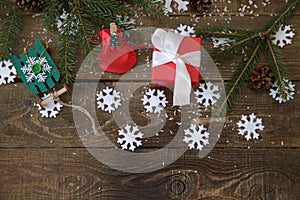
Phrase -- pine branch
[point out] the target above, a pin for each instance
(223, 32)
(51, 12)
(283, 15)
(67, 50)
(103, 12)
(84, 31)
(261, 41)
(151, 7)
(12, 26)
(241, 76)
(277, 66)
(235, 46)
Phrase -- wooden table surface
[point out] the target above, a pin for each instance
(43, 158)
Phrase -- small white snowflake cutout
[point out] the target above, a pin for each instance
(7, 72)
(185, 30)
(248, 125)
(207, 94)
(50, 109)
(108, 99)
(283, 36)
(60, 23)
(196, 137)
(221, 42)
(154, 101)
(126, 20)
(30, 75)
(181, 5)
(289, 89)
(131, 137)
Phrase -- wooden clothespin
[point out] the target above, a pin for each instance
(54, 95)
(113, 28)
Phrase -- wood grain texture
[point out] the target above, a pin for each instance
(46, 159)
(226, 173)
(22, 126)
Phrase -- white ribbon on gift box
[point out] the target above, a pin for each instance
(168, 44)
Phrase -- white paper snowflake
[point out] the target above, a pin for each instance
(126, 21)
(50, 109)
(7, 72)
(29, 73)
(181, 5)
(185, 30)
(154, 103)
(60, 23)
(248, 125)
(108, 99)
(130, 134)
(207, 94)
(283, 36)
(221, 42)
(196, 136)
(289, 89)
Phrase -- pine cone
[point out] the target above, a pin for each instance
(200, 5)
(261, 77)
(30, 5)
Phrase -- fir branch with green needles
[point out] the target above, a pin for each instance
(151, 7)
(257, 42)
(67, 49)
(278, 66)
(84, 32)
(236, 45)
(103, 12)
(242, 75)
(10, 31)
(51, 12)
(214, 31)
(282, 16)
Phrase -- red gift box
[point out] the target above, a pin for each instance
(164, 75)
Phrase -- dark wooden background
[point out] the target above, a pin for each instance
(43, 158)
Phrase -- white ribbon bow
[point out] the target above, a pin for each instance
(168, 44)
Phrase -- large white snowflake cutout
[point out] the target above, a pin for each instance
(289, 89)
(50, 109)
(248, 125)
(221, 42)
(283, 36)
(31, 75)
(196, 136)
(108, 99)
(7, 72)
(185, 30)
(181, 5)
(207, 94)
(154, 103)
(130, 134)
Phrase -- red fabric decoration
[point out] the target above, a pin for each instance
(117, 60)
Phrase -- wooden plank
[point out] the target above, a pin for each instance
(45, 158)
(22, 126)
(72, 173)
